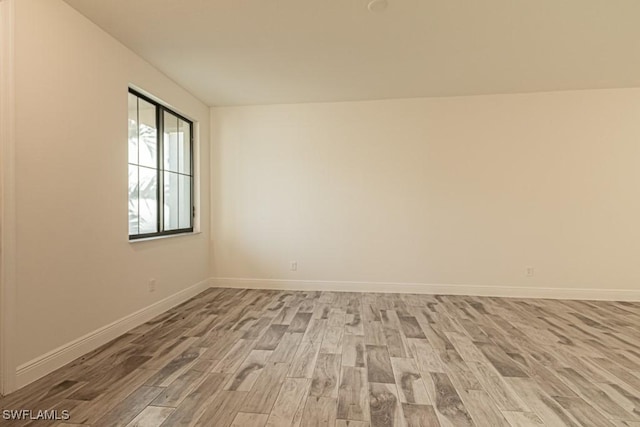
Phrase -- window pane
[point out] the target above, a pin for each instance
(184, 146)
(148, 129)
(170, 142)
(185, 202)
(148, 194)
(133, 128)
(152, 153)
(133, 200)
(171, 200)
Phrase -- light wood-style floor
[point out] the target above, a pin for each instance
(276, 358)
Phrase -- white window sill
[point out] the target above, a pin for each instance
(168, 236)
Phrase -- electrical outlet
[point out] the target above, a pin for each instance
(529, 271)
(294, 266)
(152, 285)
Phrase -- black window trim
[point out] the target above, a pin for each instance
(160, 109)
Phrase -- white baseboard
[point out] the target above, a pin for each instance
(433, 289)
(49, 362)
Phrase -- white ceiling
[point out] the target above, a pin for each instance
(232, 52)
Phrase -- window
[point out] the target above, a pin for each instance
(160, 169)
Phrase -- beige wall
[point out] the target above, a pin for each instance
(76, 270)
(460, 191)
(468, 191)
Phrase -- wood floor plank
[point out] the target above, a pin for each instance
(315, 330)
(129, 408)
(500, 360)
(248, 372)
(522, 419)
(287, 348)
(351, 423)
(390, 319)
(583, 412)
(449, 407)
(374, 333)
(257, 328)
(626, 398)
(466, 348)
(420, 415)
(271, 338)
(379, 368)
(411, 388)
(354, 324)
(151, 416)
(234, 357)
(202, 365)
(332, 340)
(595, 395)
(89, 411)
(271, 357)
(395, 342)
(289, 402)
(502, 393)
(165, 354)
(265, 391)
(411, 327)
(384, 406)
(326, 375)
(546, 379)
(246, 321)
(353, 351)
(98, 384)
(285, 315)
(221, 345)
(222, 409)
(353, 395)
(618, 371)
(482, 408)
(370, 313)
(194, 405)
(181, 363)
(173, 395)
(427, 359)
(319, 412)
(245, 419)
(544, 406)
(304, 361)
(300, 322)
